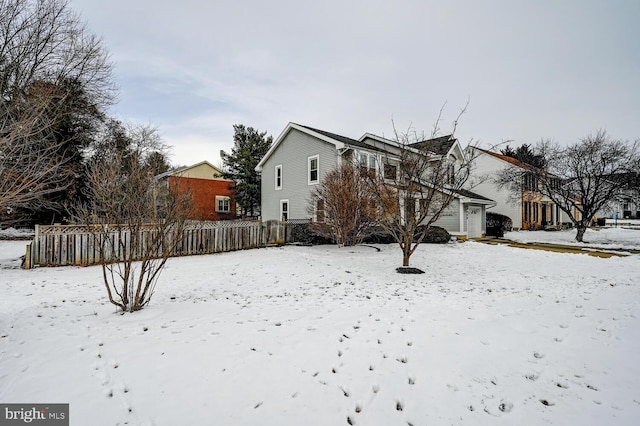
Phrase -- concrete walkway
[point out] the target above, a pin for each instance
(560, 248)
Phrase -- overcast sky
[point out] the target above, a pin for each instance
(531, 70)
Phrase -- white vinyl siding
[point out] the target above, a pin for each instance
(293, 155)
(450, 218)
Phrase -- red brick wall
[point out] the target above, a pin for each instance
(203, 196)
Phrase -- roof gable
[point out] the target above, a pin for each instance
(338, 141)
(439, 146)
(201, 170)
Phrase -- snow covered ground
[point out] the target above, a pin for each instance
(490, 335)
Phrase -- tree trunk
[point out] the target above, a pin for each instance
(406, 251)
(580, 234)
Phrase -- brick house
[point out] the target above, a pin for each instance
(212, 195)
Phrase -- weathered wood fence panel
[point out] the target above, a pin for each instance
(60, 245)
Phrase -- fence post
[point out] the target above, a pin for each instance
(27, 257)
(35, 247)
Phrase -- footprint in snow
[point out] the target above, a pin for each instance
(505, 407)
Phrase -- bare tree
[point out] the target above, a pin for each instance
(136, 223)
(581, 179)
(45, 52)
(27, 172)
(44, 40)
(416, 187)
(342, 206)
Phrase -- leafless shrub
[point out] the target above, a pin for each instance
(342, 206)
(136, 223)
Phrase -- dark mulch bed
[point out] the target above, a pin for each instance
(409, 270)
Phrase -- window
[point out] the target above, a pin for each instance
(530, 182)
(390, 171)
(320, 210)
(223, 204)
(312, 163)
(368, 162)
(284, 210)
(279, 176)
(535, 212)
(450, 170)
(372, 161)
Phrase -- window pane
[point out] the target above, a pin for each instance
(320, 210)
(389, 171)
(278, 176)
(372, 161)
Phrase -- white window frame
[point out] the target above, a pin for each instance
(369, 156)
(282, 203)
(278, 177)
(228, 202)
(317, 170)
(384, 171)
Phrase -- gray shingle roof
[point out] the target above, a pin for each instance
(439, 146)
(347, 141)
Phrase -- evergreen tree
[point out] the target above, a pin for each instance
(250, 146)
(524, 153)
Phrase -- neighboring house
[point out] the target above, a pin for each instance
(211, 194)
(529, 210)
(627, 204)
(301, 156)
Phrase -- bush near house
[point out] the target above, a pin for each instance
(302, 233)
(435, 235)
(498, 224)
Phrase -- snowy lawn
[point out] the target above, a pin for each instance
(490, 335)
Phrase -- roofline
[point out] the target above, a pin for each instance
(283, 134)
(182, 169)
(488, 203)
(408, 147)
(504, 158)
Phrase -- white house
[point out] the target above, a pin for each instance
(301, 156)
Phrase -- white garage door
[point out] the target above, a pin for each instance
(474, 222)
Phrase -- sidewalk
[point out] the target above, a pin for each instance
(560, 248)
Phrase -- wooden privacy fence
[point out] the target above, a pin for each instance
(60, 245)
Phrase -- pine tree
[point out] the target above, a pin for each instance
(250, 146)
